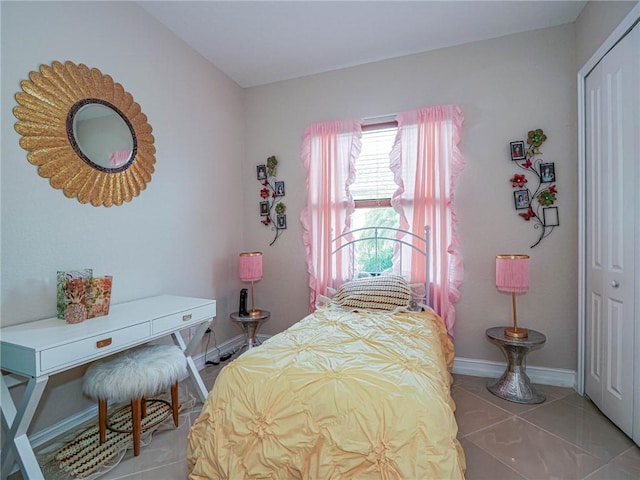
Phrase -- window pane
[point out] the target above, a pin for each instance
(374, 179)
(372, 256)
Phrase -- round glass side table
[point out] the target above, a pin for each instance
(250, 325)
(514, 384)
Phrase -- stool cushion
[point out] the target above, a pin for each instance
(135, 373)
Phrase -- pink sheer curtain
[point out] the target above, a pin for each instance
(426, 161)
(329, 151)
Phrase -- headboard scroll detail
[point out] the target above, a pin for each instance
(378, 234)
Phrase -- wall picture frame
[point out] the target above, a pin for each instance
(264, 209)
(550, 217)
(279, 189)
(521, 199)
(281, 222)
(547, 172)
(261, 172)
(517, 149)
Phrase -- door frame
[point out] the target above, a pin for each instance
(620, 31)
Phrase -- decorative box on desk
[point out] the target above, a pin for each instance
(36, 350)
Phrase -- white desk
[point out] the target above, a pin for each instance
(37, 350)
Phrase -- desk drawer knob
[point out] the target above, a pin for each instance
(104, 343)
(186, 318)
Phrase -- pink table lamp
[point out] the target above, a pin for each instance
(251, 271)
(512, 275)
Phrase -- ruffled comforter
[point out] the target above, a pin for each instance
(339, 395)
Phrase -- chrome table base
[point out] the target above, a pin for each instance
(250, 325)
(514, 384)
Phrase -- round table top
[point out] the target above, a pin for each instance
(264, 316)
(534, 338)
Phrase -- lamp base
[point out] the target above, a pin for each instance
(512, 332)
(255, 312)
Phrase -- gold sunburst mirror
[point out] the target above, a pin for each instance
(85, 133)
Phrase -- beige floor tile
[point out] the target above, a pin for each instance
(167, 446)
(460, 379)
(534, 453)
(482, 466)
(473, 413)
(624, 467)
(478, 386)
(590, 431)
(581, 402)
(173, 471)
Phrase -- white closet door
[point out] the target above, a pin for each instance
(611, 155)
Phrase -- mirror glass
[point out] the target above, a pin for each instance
(102, 137)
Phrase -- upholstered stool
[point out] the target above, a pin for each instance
(132, 376)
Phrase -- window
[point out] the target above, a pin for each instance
(372, 191)
(426, 161)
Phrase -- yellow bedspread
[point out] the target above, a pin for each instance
(339, 395)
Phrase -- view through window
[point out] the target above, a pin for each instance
(372, 192)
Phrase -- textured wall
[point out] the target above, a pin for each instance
(178, 235)
(504, 87)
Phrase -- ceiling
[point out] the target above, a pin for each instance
(260, 42)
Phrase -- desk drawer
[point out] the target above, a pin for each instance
(98, 346)
(184, 318)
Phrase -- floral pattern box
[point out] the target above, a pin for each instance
(62, 295)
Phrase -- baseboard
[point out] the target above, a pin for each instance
(542, 375)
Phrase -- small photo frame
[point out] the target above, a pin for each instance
(521, 199)
(517, 150)
(264, 209)
(547, 172)
(281, 222)
(261, 171)
(550, 216)
(279, 189)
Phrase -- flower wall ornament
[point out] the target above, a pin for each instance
(539, 203)
(535, 138)
(518, 180)
(270, 193)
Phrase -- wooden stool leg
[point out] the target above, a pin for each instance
(174, 402)
(102, 419)
(144, 407)
(136, 413)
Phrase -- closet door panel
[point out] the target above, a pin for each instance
(594, 385)
(611, 153)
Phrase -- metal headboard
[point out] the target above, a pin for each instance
(387, 233)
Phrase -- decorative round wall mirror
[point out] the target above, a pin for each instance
(85, 133)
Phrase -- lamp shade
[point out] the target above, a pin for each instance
(250, 268)
(512, 273)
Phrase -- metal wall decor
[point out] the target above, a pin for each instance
(271, 194)
(539, 203)
(85, 133)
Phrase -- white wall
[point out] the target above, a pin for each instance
(504, 87)
(595, 23)
(181, 234)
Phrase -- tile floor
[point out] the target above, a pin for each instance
(565, 437)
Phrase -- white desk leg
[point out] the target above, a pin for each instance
(16, 422)
(194, 374)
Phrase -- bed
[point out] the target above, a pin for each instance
(358, 389)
